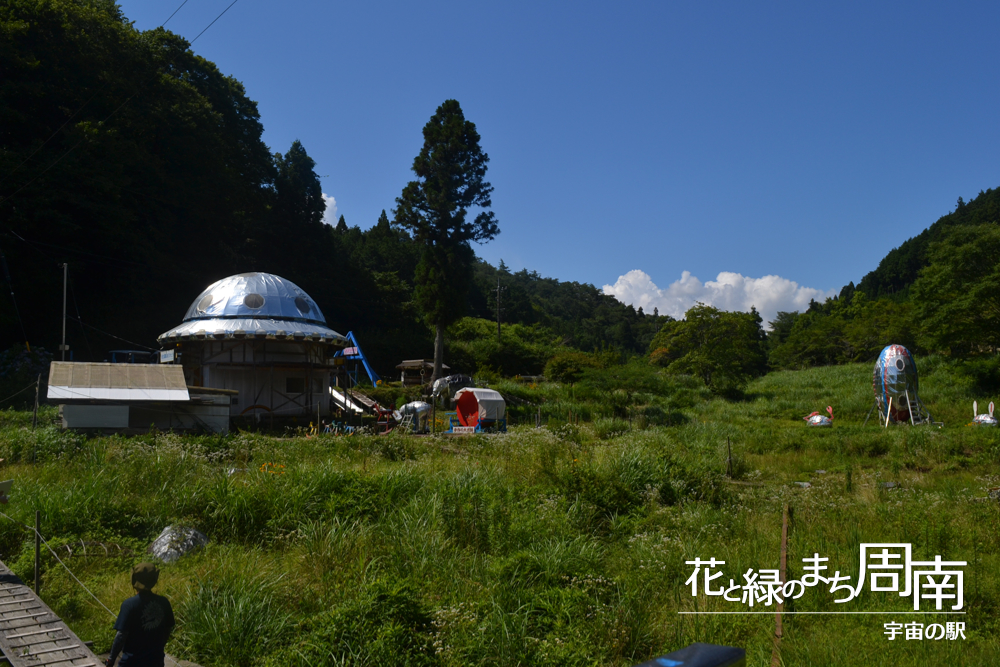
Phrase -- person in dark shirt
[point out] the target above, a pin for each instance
(144, 623)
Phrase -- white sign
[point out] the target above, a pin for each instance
(890, 565)
(166, 356)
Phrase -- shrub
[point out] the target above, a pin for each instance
(608, 428)
(386, 625)
(983, 373)
(523, 350)
(232, 621)
(19, 370)
(473, 515)
(45, 443)
(568, 365)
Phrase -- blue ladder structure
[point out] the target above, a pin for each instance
(357, 354)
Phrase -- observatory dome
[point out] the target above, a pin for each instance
(253, 305)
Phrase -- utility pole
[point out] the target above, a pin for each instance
(498, 291)
(63, 347)
(34, 410)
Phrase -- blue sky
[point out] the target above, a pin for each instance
(632, 143)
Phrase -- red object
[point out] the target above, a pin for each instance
(817, 414)
(468, 409)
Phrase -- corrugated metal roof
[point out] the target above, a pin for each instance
(417, 364)
(116, 382)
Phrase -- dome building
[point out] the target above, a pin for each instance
(262, 336)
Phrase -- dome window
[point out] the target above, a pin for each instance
(302, 304)
(205, 303)
(253, 301)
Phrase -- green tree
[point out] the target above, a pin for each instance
(901, 266)
(299, 195)
(725, 349)
(387, 247)
(957, 296)
(296, 237)
(815, 338)
(781, 327)
(131, 158)
(451, 178)
(840, 331)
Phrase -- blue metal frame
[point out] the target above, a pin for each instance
(372, 375)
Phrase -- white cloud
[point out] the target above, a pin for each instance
(729, 291)
(330, 216)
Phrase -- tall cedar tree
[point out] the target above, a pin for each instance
(451, 172)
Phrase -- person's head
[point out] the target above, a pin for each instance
(144, 577)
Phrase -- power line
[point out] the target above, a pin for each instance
(68, 249)
(18, 393)
(175, 11)
(213, 21)
(124, 340)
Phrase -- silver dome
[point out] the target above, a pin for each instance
(253, 305)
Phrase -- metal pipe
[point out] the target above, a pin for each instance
(38, 548)
(62, 348)
(869, 415)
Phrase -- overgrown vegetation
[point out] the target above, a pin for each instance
(936, 292)
(553, 546)
(185, 159)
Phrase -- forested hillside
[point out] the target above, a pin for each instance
(141, 165)
(900, 268)
(937, 292)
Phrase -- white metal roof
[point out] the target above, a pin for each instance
(77, 381)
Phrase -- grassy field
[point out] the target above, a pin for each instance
(553, 546)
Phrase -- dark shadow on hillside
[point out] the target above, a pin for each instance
(676, 419)
(746, 397)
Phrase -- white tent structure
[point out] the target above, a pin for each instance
(481, 408)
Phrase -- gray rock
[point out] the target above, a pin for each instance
(175, 541)
(804, 485)
(820, 472)
(888, 485)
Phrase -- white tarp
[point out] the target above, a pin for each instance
(491, 403)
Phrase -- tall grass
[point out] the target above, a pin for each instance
(559, 545)
(232, 617)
